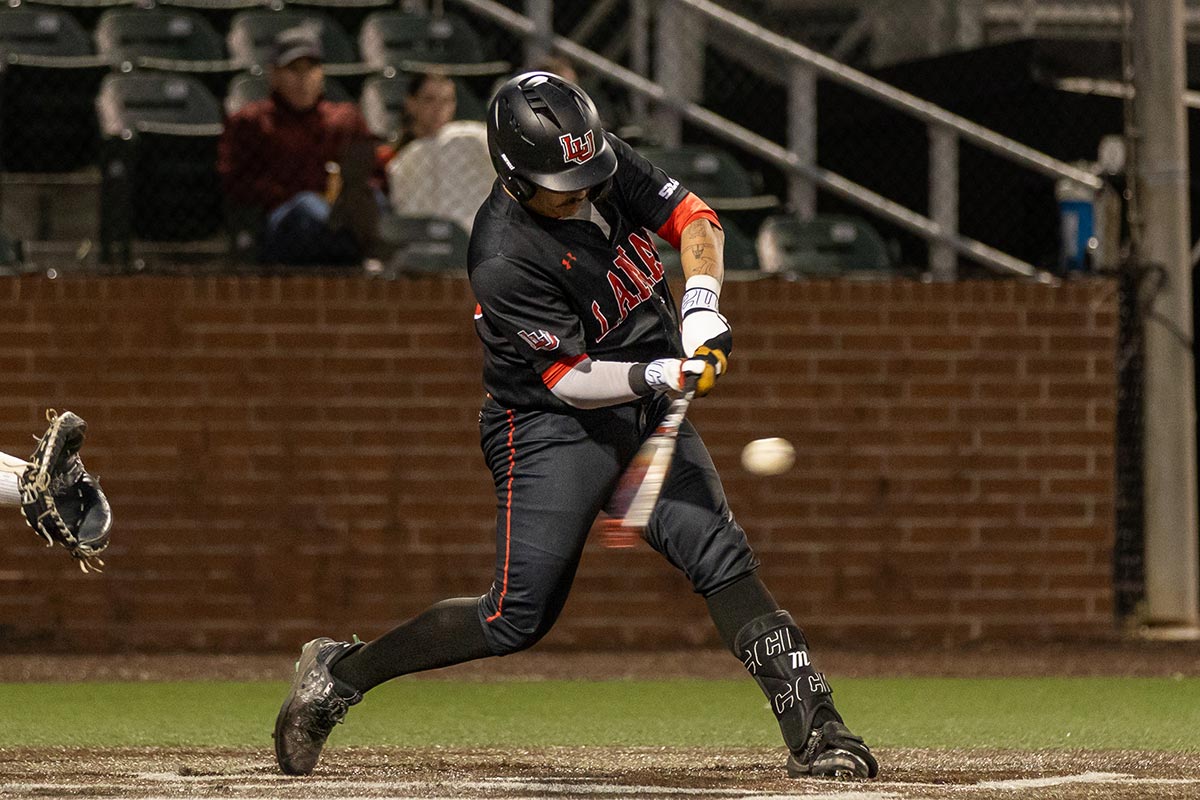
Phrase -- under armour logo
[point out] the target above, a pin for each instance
(567, 263)
(576, 149)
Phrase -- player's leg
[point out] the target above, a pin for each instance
(11, 469)
(694, 528)
(551, 474)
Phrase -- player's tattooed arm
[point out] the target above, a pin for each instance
(704, 330)
(702, 250)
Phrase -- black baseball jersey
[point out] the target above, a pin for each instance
(551, 292)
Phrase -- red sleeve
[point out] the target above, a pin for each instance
(690, 209)
(555, 372)
(245, 170)
(348, 122)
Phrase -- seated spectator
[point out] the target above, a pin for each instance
(302, 162)
(430, 103)
(442, 168)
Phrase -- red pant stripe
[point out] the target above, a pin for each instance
(512, 458)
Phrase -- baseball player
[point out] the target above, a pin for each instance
(60, 500)
(583, 350)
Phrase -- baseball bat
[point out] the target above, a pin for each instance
(641, 483)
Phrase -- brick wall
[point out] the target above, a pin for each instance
(292, 456)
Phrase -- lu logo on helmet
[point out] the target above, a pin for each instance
(579, 150)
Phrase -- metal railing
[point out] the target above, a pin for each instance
(1070, 19)
(798, 158)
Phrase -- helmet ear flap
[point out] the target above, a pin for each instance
(521, 189)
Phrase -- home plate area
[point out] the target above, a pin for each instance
(592, 772)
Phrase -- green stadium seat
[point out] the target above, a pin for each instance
(423, 245)
(830, 245)
(740, 255)
(135, 36)
(166, 39)
(133, 102)
(349, 14)
(32, 31)
(86, 12)
(412, 41)
(219, 13)
(712, 174)
(48, 83)
(158, 160)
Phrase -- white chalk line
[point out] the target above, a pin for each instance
(249, 782)
(571, 786)
(1017, 784)
(308, 787)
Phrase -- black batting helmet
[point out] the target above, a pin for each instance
(544, 131)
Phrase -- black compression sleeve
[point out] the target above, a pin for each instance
(637, 380)
(738, 603)
(444, 634)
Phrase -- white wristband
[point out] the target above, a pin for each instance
(701, 292)
(663, 375)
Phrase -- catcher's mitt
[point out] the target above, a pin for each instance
(61, 501)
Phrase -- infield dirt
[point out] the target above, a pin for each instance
(586, 772)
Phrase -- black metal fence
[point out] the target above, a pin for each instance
(1129, 577)
(111, 116)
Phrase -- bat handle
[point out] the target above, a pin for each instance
(614, 535)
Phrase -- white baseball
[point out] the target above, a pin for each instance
(771, 456)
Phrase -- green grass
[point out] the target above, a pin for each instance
(1108, 713)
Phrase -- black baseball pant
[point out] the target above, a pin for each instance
(553, 474)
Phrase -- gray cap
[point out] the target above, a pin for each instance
(303, 41)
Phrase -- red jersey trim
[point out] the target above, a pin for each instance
(512, 458)
(555, 372)
(690, 209)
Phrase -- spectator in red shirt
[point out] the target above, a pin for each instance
(303, 162)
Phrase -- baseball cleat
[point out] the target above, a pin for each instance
(311, 708)
(833, 752)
